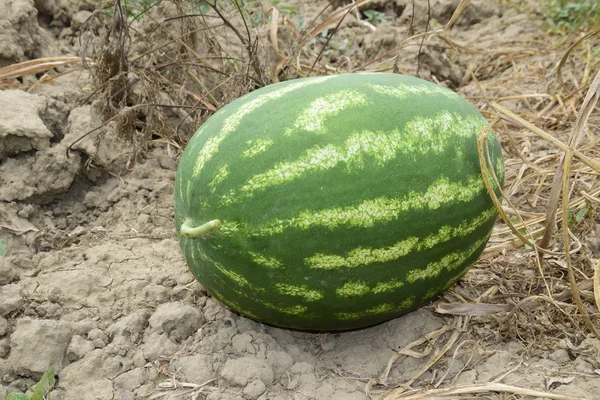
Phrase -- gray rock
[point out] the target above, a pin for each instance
(280, 361)
(146, 390)
(3, 326)
(242, 343)
(83, 119)
(124, 395)
(156, 294)
(242, 370)
(19, 134)
(131, 380)
(196, 368)
(93, 366)
(120, 346)
(7, 272)
(158, 345)
(213, 309)
(98, 338)
(138, 358)
(328, 344)
(302, 368)
(4, 348)
(493, 366)
(560, 355)
(179, 321)
(254, 389)
(100, 389)
(40, 177)
(442, 10)
(10, 298)
(167, 162)
(546, 363)
(78, 348)
(20, 33)
(467, 377)
(131, 326)
(36, 345)
(80, 18)
(582, 365)
(216, 395)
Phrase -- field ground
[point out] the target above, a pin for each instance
(92, 280)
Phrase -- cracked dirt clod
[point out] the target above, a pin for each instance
(36, 345)
(20, 35)
(254, 389)
(18, 134)
(177, 320)
(197, 368)
(38, 178)
(240, 371)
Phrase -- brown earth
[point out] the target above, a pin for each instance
(94, 283)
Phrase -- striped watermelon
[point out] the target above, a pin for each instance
(335, 202)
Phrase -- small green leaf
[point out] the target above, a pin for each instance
(44, 386)
(374, 17)
(18, 396)
(3, 249)
(581, 214)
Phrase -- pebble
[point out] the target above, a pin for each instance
(179, 321)
(254, 389)
(560, 355)
(240, 371)
(78, 348)
(197, 368)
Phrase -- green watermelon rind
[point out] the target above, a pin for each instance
(342, 201)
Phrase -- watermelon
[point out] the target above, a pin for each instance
(335, 202)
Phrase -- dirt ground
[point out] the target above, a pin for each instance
(93, 281)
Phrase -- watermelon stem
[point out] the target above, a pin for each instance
(197, 231)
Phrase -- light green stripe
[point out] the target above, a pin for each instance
(362, 256)
(390, 285)
(299, 291)
(235, 277)
(500, 169)
(448, 262)
(382, 209)
(225, 300)
(313, 117)
(356, 289)
(198, 255)
(219, 177)
(256, 147)
(232, 304)
(262, 260)
(420, 136)
(384, 308)
(232, 122)
(229, 228)
(431, 293)
(293, 310)
(447, 232)
(404, 91)
(352, 289)
(188, 190)
(365, 256)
